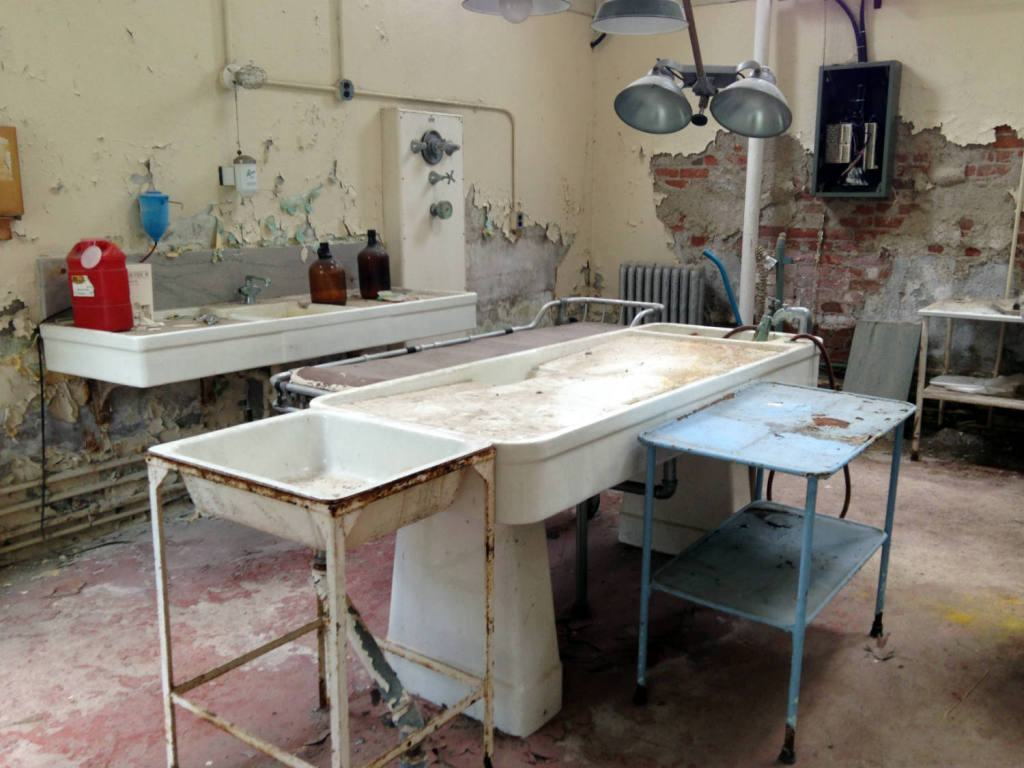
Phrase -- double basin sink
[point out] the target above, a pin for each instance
(193, 342)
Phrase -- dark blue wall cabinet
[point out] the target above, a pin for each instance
(855, 138)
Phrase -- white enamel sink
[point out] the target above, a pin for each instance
(182, 344)
(273, 310)
(287, 475)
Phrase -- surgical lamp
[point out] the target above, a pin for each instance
(750, 105)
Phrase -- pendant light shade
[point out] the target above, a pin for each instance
(516, 10)
(639, 17)
(654, 104)
(753, 106)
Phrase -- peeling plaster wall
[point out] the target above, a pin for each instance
(946, 230)
(110, 97)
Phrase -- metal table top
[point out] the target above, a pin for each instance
(793, 429)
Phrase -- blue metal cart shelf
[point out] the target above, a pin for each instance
(801, 431)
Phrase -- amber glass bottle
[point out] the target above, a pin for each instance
(326, 279)
(374, 268)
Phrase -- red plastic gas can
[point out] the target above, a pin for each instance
(99, 286)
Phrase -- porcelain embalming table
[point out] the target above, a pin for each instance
(563, 420)
(803, 431)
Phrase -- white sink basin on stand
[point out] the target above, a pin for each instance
(182, 346)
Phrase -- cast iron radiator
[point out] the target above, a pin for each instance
(679, 288)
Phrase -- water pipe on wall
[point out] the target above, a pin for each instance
(736, 314)
(755, 166)
(343, 89)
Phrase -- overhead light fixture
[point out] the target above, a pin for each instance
(639, 17)
(516, 11)
(751, 105)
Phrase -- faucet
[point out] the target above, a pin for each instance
(801, 317)
(251, 287)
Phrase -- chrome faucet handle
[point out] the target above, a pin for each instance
(251, 287)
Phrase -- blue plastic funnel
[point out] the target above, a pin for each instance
(153, 210)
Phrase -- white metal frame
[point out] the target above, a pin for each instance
(333, 634)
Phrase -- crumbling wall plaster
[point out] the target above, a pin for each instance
(512, 278)
(110, 104)
(946, 230)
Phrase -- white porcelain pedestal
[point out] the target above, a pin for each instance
(437, 608)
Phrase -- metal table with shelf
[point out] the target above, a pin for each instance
(800, 431)
(977, 309)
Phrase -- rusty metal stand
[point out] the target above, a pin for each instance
(334, 625)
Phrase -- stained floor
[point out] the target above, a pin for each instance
(945, 687)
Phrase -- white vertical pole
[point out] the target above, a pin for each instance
(755, 165)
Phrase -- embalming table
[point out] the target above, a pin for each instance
(563, 420)
(812, 433)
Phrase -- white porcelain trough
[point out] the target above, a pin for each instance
(289, 475)
(564, 421)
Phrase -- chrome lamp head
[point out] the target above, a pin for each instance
(752, 106)
(655, 103)
(639, 17)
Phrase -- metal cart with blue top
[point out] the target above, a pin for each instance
(800, 431)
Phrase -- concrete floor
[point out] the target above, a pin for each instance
(945, 687)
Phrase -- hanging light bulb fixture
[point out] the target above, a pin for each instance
(639, 17)
(750, 105)
(516, 11)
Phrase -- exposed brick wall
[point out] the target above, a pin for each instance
(946, 229)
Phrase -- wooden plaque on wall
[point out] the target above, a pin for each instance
(11, 203)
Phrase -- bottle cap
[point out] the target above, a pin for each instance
(371, 235)
(324, 251)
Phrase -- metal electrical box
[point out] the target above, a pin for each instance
(855, 138)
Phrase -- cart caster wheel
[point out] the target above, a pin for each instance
(640, 696)
(580, 611)
(876, 627)
(788, 754)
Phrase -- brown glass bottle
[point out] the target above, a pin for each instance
(374, 268)
(326, 279)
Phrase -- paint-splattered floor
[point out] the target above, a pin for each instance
(78, 650)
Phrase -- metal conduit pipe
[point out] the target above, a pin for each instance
(663, 490)
(126, 512)
(21, 506)
(338, 57)
(73, 473)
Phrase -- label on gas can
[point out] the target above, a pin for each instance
(81, 285)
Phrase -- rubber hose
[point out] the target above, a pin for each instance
(832, 383)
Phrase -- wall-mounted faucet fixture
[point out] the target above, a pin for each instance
(251, 287)
(433, 147)
(801, 317)
(435, 177)
(441, 209)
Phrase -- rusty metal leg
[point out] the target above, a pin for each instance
(337, 645)
(584, 511)
(157, 474)
(489, 523)
(788, 753)
(319, 569)
(922, 373)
